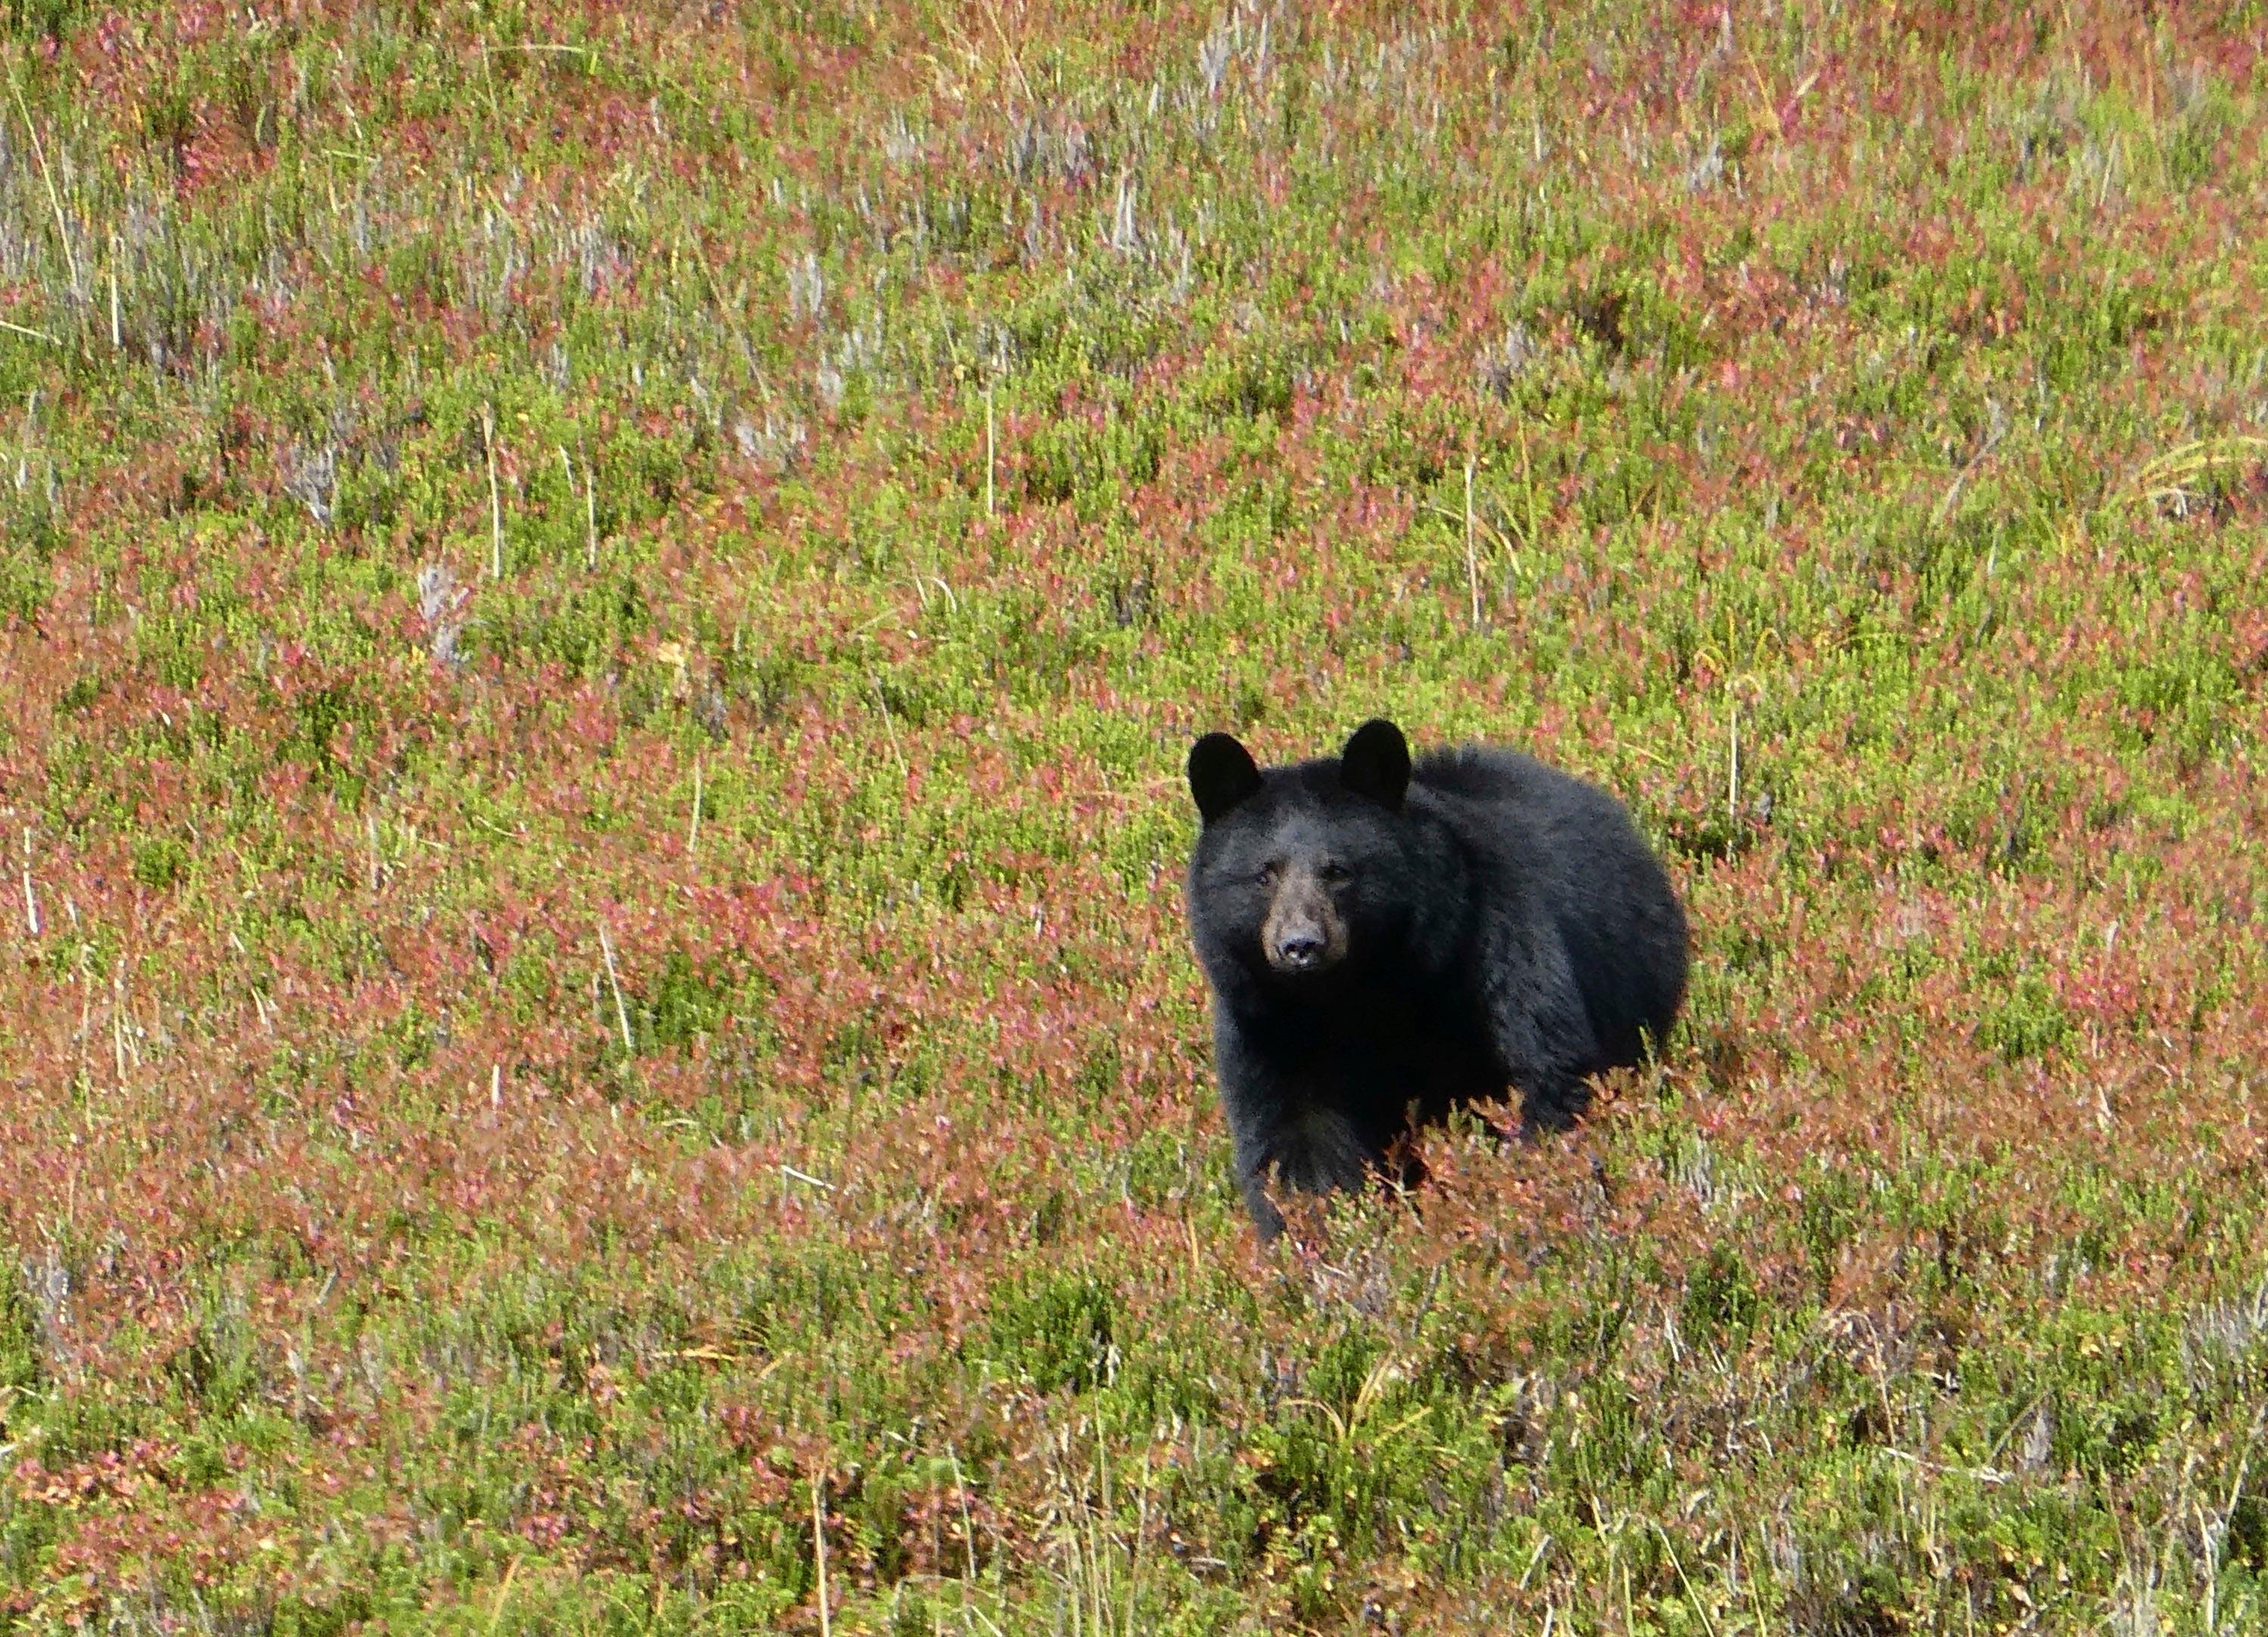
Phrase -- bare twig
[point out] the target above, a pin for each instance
(504, 1591)
(819, 1544)
(590, 511)
(1981, 1474)
(889, 726)
(1944, 508)
(577, 51)
(1693, 1598)
(1542, 1546)
(55, 200)
(968, 1525)
(1732, 770)
(621, 1012)
(118, 1020)
(496, 499)
(568, 466)
(1472, 558)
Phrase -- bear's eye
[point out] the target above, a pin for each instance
(1336, 874)
(1267, 874)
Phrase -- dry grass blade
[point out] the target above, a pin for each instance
(2165, 476)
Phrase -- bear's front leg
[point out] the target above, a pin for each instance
(1542, 1031)
(1281, 1133)
(1307, 1150)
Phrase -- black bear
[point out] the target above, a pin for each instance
(1384, 940)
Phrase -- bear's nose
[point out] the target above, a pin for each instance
(1300, 951)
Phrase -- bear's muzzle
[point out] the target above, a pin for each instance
(1304, 933)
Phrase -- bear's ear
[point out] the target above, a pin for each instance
(1221, 774)
(1376, 763)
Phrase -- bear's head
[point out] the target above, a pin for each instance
(1299, 869)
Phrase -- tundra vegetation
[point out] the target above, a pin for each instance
(599, 609)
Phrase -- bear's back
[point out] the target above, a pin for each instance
(1537, 802)
(1546, 842)
(1483, 771)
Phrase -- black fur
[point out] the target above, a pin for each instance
(1386, 940)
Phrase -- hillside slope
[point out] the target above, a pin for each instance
(599, 611)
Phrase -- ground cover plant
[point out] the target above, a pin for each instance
(599, 609)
